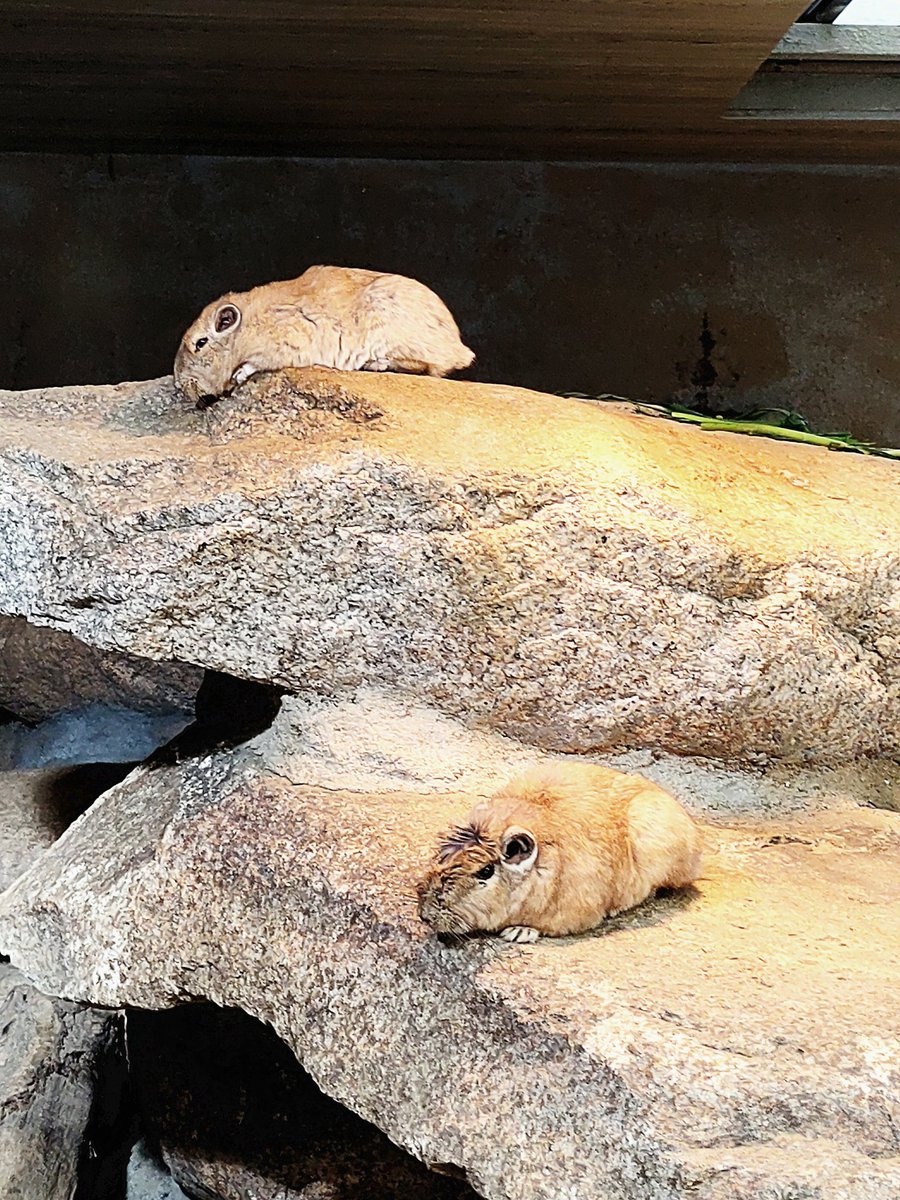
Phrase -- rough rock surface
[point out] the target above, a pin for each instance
(236, 1116)
(37, 806)
(58, 1061)
(147, 1179)
(572, 574)
(50, 1055)
(94, 734)
(737, 1042)
(44, 672)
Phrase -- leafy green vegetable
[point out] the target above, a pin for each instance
(784, 423)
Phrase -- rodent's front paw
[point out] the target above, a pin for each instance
(519, 933)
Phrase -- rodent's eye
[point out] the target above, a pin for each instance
(485, 872)
(200, 343)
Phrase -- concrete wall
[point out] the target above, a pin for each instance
(747, 285)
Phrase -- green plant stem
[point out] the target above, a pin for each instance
(832, 441)
(756, 429)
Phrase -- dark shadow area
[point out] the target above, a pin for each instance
(635, 254)
(227, 712)
(67, 793)
(655, 911)
(234, 1115)
(112, 1128)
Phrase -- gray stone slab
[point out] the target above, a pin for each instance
(575, 575)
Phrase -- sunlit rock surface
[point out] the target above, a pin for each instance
(455, 579)
(569, 573)
(736, 1041)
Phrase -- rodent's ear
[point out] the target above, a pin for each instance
(519, 849)
(228, 316)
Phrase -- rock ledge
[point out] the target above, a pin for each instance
(569, 574)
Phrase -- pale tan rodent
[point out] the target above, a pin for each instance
(557, 850)
(340, 317)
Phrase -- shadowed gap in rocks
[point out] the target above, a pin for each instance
(227, 712)
(67, 793)
(234, 1114)
(112, 1127)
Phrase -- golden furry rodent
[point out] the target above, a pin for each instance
(555, 851)
(340, 317)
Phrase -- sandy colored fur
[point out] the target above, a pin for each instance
(340, 317)
(605, 842)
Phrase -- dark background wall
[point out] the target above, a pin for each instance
(740, 286)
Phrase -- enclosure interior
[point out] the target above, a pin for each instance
(735, 286)
(596, 226)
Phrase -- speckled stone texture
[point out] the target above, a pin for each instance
(736, 1041)
(50, 1055)
(236, 1117)
(43, 672)
(571, 574)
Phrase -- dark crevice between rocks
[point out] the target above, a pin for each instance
(70, 791)
(227, 712)
(232, 1113)
(112, 1126)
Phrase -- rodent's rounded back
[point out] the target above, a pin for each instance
(585, 841)
(341, 317)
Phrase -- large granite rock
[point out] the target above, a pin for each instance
(51, 1055)
(237, 1117)
(44, 672)
(573, 574)
(727, 1044)
(441, 568)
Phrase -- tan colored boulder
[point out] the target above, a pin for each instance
(735, 1041)
(572, 574)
